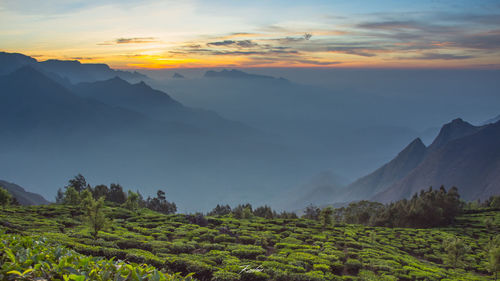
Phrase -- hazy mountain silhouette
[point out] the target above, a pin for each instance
(157, 105)
(492, 120)
(238, 74)
(9, 62)
(84, 72)
(379, 180)
(35, 104)
(72, 70)
(471, 163)
(23, 197)
(461, 155)
(454, 130)
(178, 75)
(48, 133)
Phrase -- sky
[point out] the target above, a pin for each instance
(160, 34)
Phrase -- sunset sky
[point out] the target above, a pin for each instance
(258, 33)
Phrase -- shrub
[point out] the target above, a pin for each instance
(353, 266)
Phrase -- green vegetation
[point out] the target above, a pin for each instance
(120, 236)
(430, 208)
(5, 197)
(254, 248)
(25, 258)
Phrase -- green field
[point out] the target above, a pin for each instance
(226, 248)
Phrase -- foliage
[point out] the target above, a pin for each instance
(25, 258)
(220, 210)
(495, 261)
(95, 215)
(456, 249)
(429, 208)
(312, 212)
(5, 197)
(220, 247)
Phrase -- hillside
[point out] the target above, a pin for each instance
(461, 155)
(471, 163)
(23, 197)
(219, 248)
(379, 180)
(70, 70)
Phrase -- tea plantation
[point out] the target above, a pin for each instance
(54, 242)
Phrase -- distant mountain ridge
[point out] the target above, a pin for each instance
(72, 70)
(470, 162)
(23, 197)
(155, 104)
(409, 158)
(462, 155)
(238, 74)
(492, 120)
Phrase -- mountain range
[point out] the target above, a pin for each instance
(113, 130)
(462, 155)
(71, 70)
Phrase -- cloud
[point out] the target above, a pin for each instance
(307, 36)
(315, 62)
(389, 25)
(359, 51)
(82, 58)
(489, 40)
(440, 56)
(135, 40)
(241, 44)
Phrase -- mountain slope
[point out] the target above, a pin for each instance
(11, 61)
(492, 120)
(79, 72)
(23, 197)
(157, 105)
(456, 129)
(33, 103)
(73, 71)
(471, 163)
(396, 169)
(237, 74)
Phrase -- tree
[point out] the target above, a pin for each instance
(455, 249)
(264, 212)
(71, 197)
(132, 202)
(160, 204)
(95, 215)
(116, 194)
(243, 211)
(311, 212)
(101, 190)
(495, 202)
(78, 183)
(86, 199)
(220, 210)
(60, 196)
(489, 222)
(326, 216)
(495, 261)
(5, 197)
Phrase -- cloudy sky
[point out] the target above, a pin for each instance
(258, 33)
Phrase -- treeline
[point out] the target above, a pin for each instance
(428, 208)
(492, 202)
(78, 189)
(245, 211)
